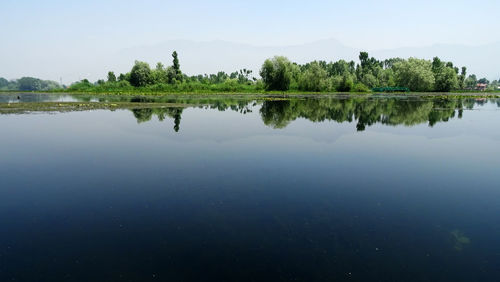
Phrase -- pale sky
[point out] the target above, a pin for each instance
(51, 29)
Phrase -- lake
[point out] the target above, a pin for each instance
(235, 188)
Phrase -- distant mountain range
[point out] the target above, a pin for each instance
(212, 56)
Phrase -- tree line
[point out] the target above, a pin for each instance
(418, 75)
(28, 84)
(143, 78)
(279, 74)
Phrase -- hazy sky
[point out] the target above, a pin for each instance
(44, 29)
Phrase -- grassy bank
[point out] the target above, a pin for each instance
(19, 108)
(113, 101)
(253, 93)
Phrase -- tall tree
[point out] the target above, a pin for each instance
(314, 78)
(471, 81)
(445, 75)
(346, 83)
(483, 80)
(3, 82)
(437, 65)
(140, 75)
(111, 77)
(276, 73)
(176, 66)
(461, 78)
(416, 74)
(446, 80)
(363, 58)
(159, 74)
(29, 84)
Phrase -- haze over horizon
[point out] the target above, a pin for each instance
(56, 39)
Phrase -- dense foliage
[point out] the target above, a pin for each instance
(28, 84)
(276, 73)
(280, 74)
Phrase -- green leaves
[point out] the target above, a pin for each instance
(140, 75)
(276, 73)
(314, 78)
(415, 74)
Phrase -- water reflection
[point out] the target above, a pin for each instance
(279, 112)
(364, 112)
(93, 196)
(40, 98)
(145, 114)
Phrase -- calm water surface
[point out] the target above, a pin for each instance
(319, 189)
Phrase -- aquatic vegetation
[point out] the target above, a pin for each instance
(459, 239)
(20, 108)
(275, 111)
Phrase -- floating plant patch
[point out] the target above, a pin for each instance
(459, 239)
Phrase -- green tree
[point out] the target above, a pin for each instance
(493, 85)
(314, 78)
(471, 81)
(29, 84)
(244, 76)
(363, 58)
(370, 80)
(82, 85)
(387, 78)
(124, 77)
(461, 78)
(437, 65)
(111, 77)
(416, 74)
(346, 84)
(340, 67)
(159, 74)
(446, 80)
(176, 67)
(171, 75)
(140, 75)
(445, 75)
(369, 66)
(276, 73)
(483, 81)
(3, 82)
(389, 63)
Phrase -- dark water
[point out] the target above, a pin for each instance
(319, 189)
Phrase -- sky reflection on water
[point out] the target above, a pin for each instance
(291, 190)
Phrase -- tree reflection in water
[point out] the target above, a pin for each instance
(279, 113)
(145, 114)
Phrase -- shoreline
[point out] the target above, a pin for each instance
(116, 101)
(472, 94)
